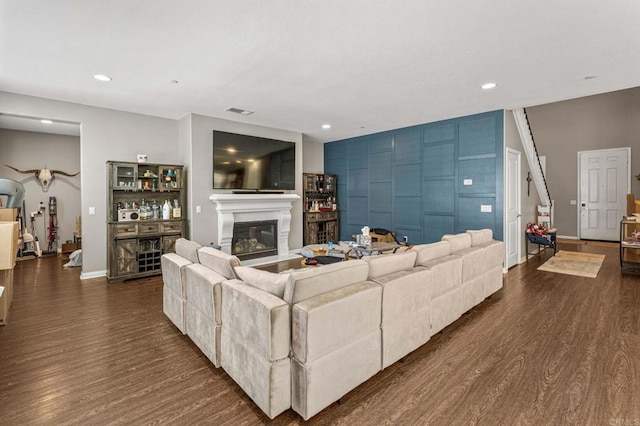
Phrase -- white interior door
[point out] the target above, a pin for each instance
(514, 225)
(604, 180)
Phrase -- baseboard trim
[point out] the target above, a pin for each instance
(567, 237)
(94, 274)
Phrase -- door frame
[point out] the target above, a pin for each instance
(518, 236)
(579, 195)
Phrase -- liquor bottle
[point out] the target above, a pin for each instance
(143, 210)
(177, 210)
(166, 210)
(155, 208)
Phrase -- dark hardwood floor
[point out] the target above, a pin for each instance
(548, 349)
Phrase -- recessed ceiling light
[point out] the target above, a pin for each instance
(46, 121)
(326, 126)
(102, 77)
(488, 86)
(239, 111)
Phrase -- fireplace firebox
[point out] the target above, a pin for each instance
(252, 240)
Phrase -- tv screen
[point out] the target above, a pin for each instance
(252, 163)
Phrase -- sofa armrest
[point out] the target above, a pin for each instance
(173, 272)
(255, 319)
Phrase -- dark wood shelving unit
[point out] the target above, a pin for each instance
(321, 217)
(135, 245)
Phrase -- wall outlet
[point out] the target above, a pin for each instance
(92, 210)
(572, 202)
(467, 182)
(405, 239)
(485, 208)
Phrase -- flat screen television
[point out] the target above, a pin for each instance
(244, 162)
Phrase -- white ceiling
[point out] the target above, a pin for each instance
(361, 65)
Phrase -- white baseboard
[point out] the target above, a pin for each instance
(93, 274)
(567, 237)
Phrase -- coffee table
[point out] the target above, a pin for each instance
(374, 249)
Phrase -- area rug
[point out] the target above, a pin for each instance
(574, 263)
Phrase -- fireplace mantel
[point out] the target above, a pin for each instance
(233, 208)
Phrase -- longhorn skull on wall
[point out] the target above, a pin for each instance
(44, 176)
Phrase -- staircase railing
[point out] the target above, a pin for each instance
(531, 152)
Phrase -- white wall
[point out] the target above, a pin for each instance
(203, 226)
(32, 150)
(105, 135)
(313, 158)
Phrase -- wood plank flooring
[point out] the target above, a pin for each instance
(548, 349)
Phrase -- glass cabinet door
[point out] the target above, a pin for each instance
(125, 176)
(310, 182)
(330, 184)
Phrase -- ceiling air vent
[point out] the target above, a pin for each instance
(239, 111)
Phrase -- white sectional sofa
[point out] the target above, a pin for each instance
(304, 338)
(174, 292)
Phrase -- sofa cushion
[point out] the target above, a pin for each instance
(388, 264)
(458, 241)
(187, 249)
(428, 252)
(264, 280)
(311, 282)
(328, 322)
(494, 253)
(203, 290)
(480, 236)
(219, 261)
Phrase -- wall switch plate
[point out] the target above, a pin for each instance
(484, 208)
(198, 209)
(467, 182)
(92, 210)
(405, 239)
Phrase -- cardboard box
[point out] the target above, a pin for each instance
(8, 215)
(631, 255)
(8, 244)
(6, 281)
(4, 308)
(633, 205)
(69, 247)
(6, 294)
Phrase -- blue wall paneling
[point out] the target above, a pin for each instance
(412, 180)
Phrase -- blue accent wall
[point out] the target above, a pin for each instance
(411, 180)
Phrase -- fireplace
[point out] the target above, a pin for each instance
(235, 209)
(254, 239)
